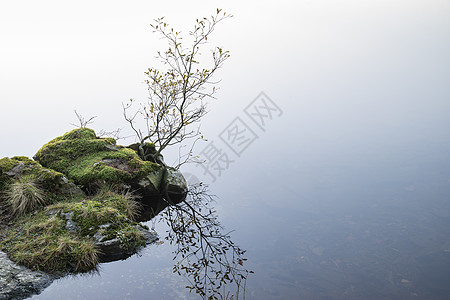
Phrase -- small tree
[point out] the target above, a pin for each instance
(178, 94)
(177, 101)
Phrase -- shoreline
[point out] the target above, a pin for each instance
(18, 282)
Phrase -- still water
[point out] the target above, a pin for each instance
(348, 226)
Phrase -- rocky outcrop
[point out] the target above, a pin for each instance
(18, 282)
(112, 237)
(112, 248)
(95, 193)
(52, 181)
(87, 159)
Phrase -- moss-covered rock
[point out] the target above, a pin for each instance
(74, 236)
(6, 165)
(85, 158)
(107, 218)
(76, 230)
(51, 181)
(76, 227)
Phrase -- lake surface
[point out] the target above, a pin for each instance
(352, 226)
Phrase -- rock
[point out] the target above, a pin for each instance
(116, 236)
(70, 224)
(147, 150)
(152, 182)
(113, 249)
(18, 282)
(50, 180)
(174, 185)
(87, 159)
(79, 159)
(16, 170)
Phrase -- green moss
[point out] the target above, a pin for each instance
(6, 164)
(61, 154)
(81, 156)
(48, 179)
(90, 168)
(131, 238)
(23, 159)
(42, 241)
(79, 133)
(110, 140)
(124, 202)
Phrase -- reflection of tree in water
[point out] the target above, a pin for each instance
(178, 95)
(205, 253)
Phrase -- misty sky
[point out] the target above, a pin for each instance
(347, 74)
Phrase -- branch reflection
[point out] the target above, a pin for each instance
(205, 253)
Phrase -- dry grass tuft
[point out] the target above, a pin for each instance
(122, 199)
(131, 206)
(88, 256)
(41, 242)
(24, 196)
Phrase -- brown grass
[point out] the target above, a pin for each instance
(24, 196)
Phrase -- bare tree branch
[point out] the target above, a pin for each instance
(83, 122)
(178, 93)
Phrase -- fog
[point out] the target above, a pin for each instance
(341, 70)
